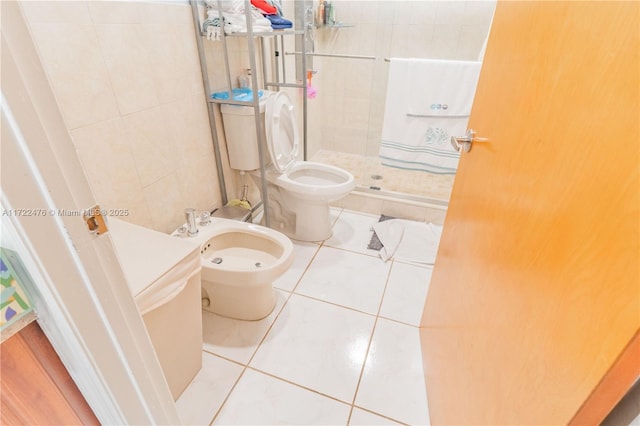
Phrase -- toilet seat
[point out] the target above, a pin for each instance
(281, 131)
(311, 181)
(316, 182)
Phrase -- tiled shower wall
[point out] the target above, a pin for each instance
(127, 78)
(348, 112)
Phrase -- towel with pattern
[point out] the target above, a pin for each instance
(428, 101)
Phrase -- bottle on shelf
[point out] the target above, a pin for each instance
(327, 13)
(244, 79)
(321, 13)
(247, 72)
(326, 16)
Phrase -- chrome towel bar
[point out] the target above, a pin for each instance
(334, 55)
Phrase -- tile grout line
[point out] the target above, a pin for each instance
(246, 366)
(351, 251)
(336, 304)
(364, 364)
(291, 293)
(226, 398)
(399, 322)
(368, 410)
(282, 379)
(306, 269)
(207, 351)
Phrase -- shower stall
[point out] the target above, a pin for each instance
(350, 66)
(347, 60)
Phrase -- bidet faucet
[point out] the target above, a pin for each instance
(192, 227)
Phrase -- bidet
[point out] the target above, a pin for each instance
(240, 261)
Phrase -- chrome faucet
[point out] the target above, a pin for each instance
(192, 227)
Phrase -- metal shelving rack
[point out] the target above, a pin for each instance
(251, 37)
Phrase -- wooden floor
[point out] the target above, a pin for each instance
(36, 387)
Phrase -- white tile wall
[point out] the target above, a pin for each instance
(127, 78)
(76, 69)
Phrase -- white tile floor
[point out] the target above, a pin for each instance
(341, 347)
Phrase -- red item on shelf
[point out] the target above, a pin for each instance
(265, 7)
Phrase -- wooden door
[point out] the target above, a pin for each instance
(533, 310)
(36, 388)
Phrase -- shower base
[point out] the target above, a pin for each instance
(371, 175)
(393, 192)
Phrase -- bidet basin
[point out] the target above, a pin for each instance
(249, 253)
(240, 261)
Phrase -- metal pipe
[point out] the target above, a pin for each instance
(275, 84)
(256, 108)
(284, 67)
(264, 62)
(212, 119)
(304, 94)
(225, 49)
(275, 60)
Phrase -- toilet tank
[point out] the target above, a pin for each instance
(240, 132)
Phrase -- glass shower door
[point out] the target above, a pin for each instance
(346, 117)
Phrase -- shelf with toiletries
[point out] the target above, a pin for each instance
(243, 21)
(242, 96)
(326, 16)
(242, 18)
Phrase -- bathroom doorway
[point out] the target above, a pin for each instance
(345, 118)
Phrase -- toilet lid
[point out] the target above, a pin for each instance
(281, 131)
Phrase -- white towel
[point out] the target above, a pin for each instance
(234, 22)
(428, 101)
(408, 241)
(234, 6)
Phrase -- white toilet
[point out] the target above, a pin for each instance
(299, 191)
